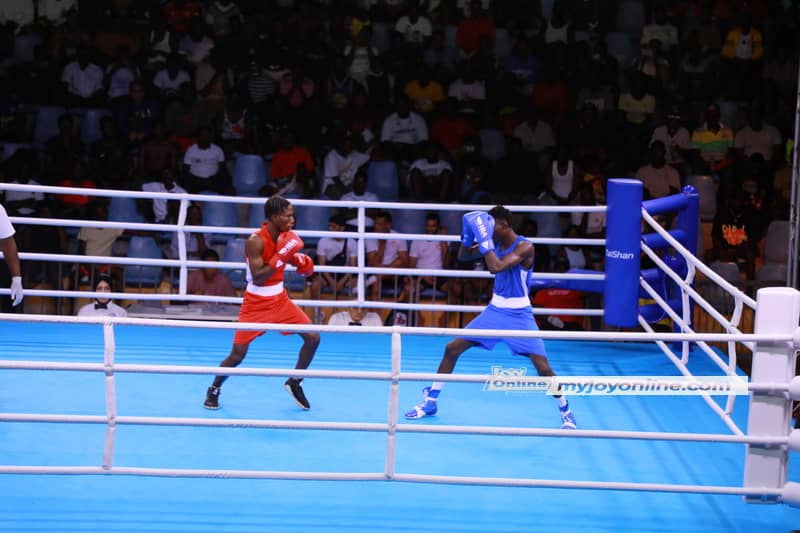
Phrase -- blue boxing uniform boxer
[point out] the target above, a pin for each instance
(510, 258)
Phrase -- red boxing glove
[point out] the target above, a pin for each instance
(287, 245)
(304, 264)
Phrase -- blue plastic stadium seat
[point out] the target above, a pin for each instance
(409, 221)
(293, 281)
(249, 175)
(630, 17)
(256, 217)
(493, 144)
(220, 214)
(46, 124)
(313, 218)
(451, 220)
(90, 126)
(145, 247)
(382, 180)
(502, 44)
(234, 253)
(9, 149)
(124, 210)
(620, 47)
(707, 190)
(775, 242)
(775, 272)
(381, 36)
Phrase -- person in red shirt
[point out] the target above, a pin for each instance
(559, 298)
(74, 205)
(451, 129)
(551, 96)
(472, 28)
(209, 280)
(180, 14)
(292, 168)
(266, 301)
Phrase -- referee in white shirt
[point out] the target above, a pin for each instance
(9, 248)
(102, 306)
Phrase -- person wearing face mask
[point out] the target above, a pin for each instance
(102, 306)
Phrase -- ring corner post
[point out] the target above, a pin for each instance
(777, 312)
(623, 250)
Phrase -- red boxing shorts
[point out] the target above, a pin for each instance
(278, 309)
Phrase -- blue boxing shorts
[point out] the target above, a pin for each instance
(502, 318)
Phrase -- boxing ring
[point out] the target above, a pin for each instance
(135, 450)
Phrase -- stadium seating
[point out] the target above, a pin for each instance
(235, 253)
(46, 126)
(249, 175)
(90, 125)
(220, 214)
(382, 180)
(150, 276)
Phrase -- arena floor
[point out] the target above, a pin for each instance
(125, 503)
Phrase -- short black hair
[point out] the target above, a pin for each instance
(106, 278)
(384, 214)
(338, 219)
(209, 254)
(275, 205)
(433, 216)
(501, 213)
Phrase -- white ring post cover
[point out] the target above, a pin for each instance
(777, 311)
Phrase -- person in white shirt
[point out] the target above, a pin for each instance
(355, 316)
(427, 255)
(675, 137)
(431, 177)
(415, 29)
(121, 73)
(102, 306)
(404, 129)
(196, 243)
(332, 251)
(83, 80)
(169, 79)
(757, 137)
(22, 203)
(467, 89)
(163, 210)
(386, 253)
(660, 29)
(196, 45)
(360, 55)
(340, 166)
(361, 194)
(204, 165)
(8, 245)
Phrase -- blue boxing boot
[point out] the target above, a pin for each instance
(567, 418)
(425, 408)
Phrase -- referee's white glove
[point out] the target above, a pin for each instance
(16, 290)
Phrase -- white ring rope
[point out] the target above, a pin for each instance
(609, 336)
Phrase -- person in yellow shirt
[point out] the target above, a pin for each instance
(425, 93)
(742, 53)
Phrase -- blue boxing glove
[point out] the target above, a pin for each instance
(483, 228)
(467, 236)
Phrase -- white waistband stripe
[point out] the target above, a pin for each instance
(515, 302)
(265, 290)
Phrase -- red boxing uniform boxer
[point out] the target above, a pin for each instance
(265, 299)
